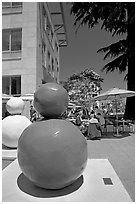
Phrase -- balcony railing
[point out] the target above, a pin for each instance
(8, 55)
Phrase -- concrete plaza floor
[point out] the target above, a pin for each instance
(120, 151)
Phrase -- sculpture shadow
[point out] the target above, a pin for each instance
(28, 187)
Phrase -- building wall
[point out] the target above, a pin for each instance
(29, 62)
(29, 39)
(39, 72)
(26, 64)
(44, 64)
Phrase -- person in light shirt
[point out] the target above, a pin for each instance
(93, 127)
(101, 121)
(92, 118)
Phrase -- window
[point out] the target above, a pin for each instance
(49, 68)
(52, 62)
(5, 40)
(11, 4)
(11, 85)
(49, 55)
(44, 54)
(49, 31)
(56, 46)
(11, 39)
(48, 28)
(57, 65)
(52, 35)
(6, 4)
(16, 4)
(5, 85)
(44, 17)
(12, 8)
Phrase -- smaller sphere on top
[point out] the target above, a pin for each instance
(15, 105)
(51, 100)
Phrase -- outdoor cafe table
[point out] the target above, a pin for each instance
(122, 124)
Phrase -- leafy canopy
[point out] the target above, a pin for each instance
(82, 86)
(113, 17)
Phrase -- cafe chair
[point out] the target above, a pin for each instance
(109, 122)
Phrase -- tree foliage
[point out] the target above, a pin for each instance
(112, 15)
(118, 18)
(82, 86)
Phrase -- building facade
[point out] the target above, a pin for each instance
(32, 34)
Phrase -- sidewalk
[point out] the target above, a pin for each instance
(121, 154)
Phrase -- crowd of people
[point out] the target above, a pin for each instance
(78, 116)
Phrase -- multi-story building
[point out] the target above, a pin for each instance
(32, 34)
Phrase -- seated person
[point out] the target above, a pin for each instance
(93, 119)
(93, 130)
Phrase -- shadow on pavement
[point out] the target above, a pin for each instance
(29, 188)
(111, 135)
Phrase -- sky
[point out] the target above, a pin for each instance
(81, 53)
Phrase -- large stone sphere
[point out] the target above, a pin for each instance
(51, 100)
(52, 153)
(15, 105)
(12, 128)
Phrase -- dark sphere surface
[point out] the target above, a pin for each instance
(51, 100)
(52, 153)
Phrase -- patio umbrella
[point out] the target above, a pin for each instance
(115, 94)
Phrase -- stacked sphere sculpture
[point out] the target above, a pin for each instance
(15, 105)
(51, 100)
(52, 153)
(13, 125)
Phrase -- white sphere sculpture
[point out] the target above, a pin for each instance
(12, 128)
(15, 105)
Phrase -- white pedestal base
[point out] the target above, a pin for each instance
(88, 188)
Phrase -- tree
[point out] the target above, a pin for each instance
(82, 86)
(118, 18)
